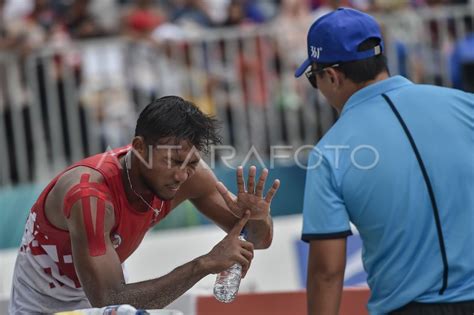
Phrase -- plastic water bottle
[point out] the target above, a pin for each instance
(228, 282)
(123, 309)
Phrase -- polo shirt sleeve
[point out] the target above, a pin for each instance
(324, 211)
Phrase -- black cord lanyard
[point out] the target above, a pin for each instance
(430, 192)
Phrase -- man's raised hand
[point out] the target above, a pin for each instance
(250, 198)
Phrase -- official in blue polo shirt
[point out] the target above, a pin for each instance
(399, 165)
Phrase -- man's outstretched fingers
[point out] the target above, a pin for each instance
(251, 180)
(240, 180)
(272, 191)
(261, 183)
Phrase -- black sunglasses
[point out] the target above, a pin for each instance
(311, 74)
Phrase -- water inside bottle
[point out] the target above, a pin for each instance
(227, 284)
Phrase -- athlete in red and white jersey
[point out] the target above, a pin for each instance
(93, 216)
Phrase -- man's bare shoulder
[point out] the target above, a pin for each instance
(74, 175)
(55, 202)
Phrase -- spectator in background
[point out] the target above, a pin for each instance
(28, 34)
(326, 6)
(169, 39)
(362, 5)
(17, 9)
(106, 14)
(258, 11)
(251, 62)
(216, 10)
(32, 31)
(291, 22)
(435, 3)
(191, 13)
(290, 33)
(138, 24)
(5, 42)
(241, 12)
(235, 14)
(253, 11)
(79, 22)
(462, 60)
(182, 73)
(142, 18)
(389, 5)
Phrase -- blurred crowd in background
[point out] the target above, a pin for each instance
(75, 73)
(29, 24)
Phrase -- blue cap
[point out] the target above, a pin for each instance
(336, 36)
(244, 233)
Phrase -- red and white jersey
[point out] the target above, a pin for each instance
(45, 262)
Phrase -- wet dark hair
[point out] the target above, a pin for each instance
(174, 117)
(364, 70)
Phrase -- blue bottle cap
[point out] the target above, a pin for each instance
(244, 233)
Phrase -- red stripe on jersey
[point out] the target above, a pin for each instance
(84, 189)
(84, 192)
(95, 237)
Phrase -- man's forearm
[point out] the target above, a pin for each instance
(158, 293)
(324, 294)
(260, 232)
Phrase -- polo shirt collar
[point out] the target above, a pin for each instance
(375, 89)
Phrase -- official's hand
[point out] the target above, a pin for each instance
(231, 250)
(251, 198)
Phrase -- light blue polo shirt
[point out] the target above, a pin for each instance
(365, 171)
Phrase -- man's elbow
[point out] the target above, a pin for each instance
(266, 242)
